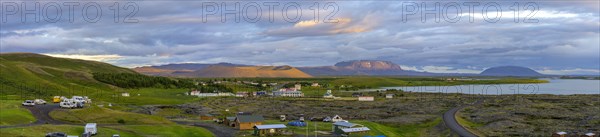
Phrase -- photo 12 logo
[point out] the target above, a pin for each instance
(59, 11)
(253, 12)
(453, 12)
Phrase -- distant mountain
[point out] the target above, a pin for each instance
(510, 71)
(179, 69)
(194, 66)
(361, 67)
(248, 71)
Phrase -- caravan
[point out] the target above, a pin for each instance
(90, 129)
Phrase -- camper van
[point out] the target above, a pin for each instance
(56, 99)
(79, 99)
(91, 128)
(66, 104)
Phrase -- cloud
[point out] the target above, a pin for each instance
(104, 58)
(315, 28)
(566, 37)
(575, 71)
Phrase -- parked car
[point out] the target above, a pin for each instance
(39, 101)
(116, 135)
(28, 103)
(56, 134)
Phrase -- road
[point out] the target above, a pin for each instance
(451, 122)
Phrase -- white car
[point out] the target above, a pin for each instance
(40, 101)
(28, 103)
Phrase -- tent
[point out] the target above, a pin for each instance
(297, 123)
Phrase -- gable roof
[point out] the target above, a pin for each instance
(359, 129)
(344, 124)
(250, 118)
(230, 118)
(272, 126)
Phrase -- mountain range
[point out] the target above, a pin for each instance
(344, 68)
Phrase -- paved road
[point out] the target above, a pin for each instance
(451, 122)
(41, 114)
(218, 130)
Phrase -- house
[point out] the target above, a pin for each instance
(288, 89)
(347, 128)
(315, 84)
(389, 95)
(366, 98)
(125, 94)
(589, 135)
(241, 94)
(559, 134)
(298, 87)
(244, 122)
(195, 93)
(336, 118)
(288, 94)
(269, 130)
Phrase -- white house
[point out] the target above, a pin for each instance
(389, 95)
(288, 94)
(195, 93)
(366, 98)
(336, 118)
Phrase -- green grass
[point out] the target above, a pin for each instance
(411, 130)
(105, 116)
(11, 113)
(124, 131)
(42, 130)
(471, 126)
(164, 130)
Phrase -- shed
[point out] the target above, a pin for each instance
(229, 121)
(346, 128)
(248, 121)
(268, 130)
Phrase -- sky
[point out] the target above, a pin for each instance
(552, 37)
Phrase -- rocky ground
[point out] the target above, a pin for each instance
(535, 115)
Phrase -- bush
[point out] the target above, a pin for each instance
(121, 121)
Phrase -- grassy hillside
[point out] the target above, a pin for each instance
(35, 75)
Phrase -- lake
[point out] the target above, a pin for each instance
(555, 86)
